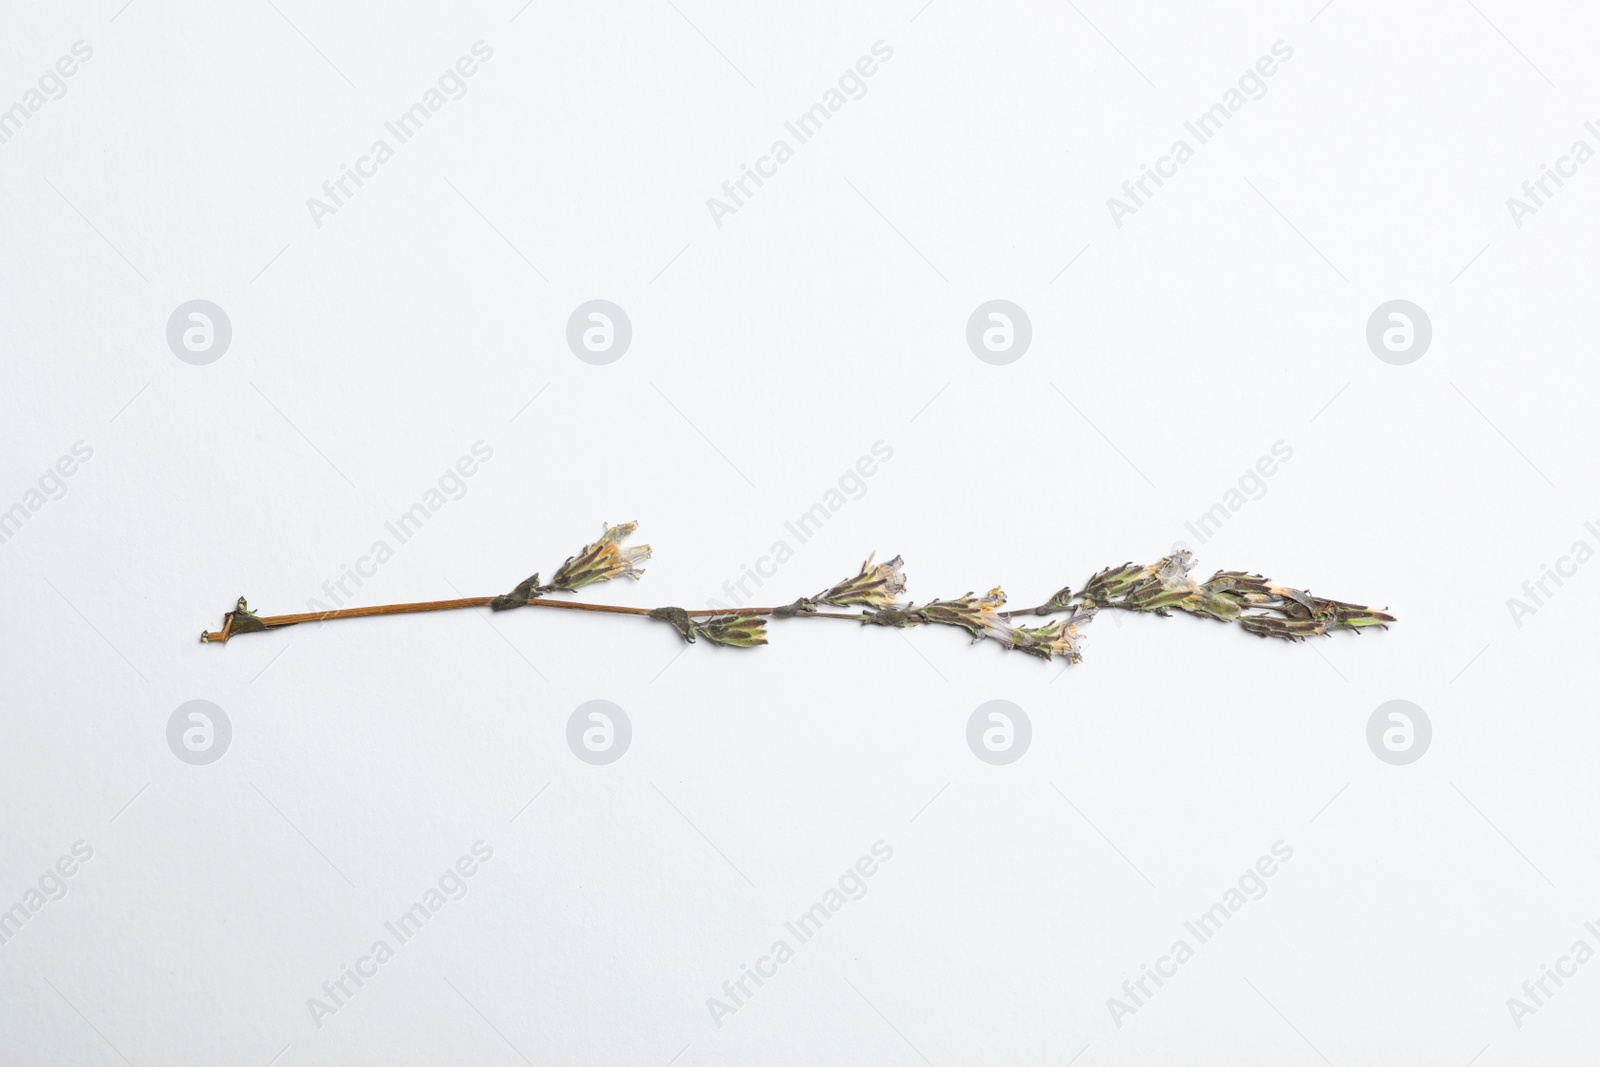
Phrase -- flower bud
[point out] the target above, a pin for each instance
(735, 631)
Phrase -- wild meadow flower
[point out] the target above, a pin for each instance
(1166, 584)
(603, 560)
(877, 586)
(1058, 638)
(978, 615)
(1158, 588)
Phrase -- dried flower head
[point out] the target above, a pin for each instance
(603, 560)
(978, 615)
(877, 586)
(1059, 638)
(1158, 588)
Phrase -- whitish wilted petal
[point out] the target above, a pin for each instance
(1174, 570)
(603, 560)
(997, 629)
(877, 586)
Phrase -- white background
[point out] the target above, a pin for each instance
(769, 353)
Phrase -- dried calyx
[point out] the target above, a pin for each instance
(1256, 604)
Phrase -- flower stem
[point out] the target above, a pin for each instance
(242, 622)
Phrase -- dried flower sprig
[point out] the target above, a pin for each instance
(1252, 601)
(877, 586)
(1259, 606)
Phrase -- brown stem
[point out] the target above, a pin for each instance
(1045, 610)
(270, 621)
(613, 609)
(573, 605)
(241, 622)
